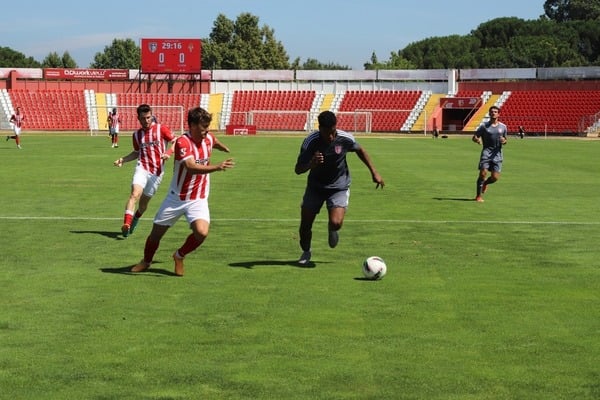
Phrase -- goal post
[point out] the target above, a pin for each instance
(358, 121)
(172, 116)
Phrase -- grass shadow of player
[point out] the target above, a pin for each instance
(454, 198)
(149, 272)
(272, 263)
(362, 278)
(108, 234)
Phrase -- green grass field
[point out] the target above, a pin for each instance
(494, 300)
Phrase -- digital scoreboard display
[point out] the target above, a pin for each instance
(171, 56)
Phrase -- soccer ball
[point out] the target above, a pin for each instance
(374, 268)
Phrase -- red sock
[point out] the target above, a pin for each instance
(127, 217)
(149, 250)
(191, 244)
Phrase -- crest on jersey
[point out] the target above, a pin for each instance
(182, 151)
(152, 46)
(338, 149)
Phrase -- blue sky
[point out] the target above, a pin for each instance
(344, 32)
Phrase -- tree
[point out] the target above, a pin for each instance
(572, 10)
(588, 45)
(396, 61)
(499, 31)
(121, 54)
(312, 63)
(242, 45)
(10, 58)
(53, 60)
(453, 51)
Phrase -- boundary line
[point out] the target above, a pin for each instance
(347, 220)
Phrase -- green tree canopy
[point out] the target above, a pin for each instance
(53, 60)
(510, 43)
(572, 10)
(442, 52)
(395, 62)
(312, 63)
(121, 54)
(10, 58)
(242, 44)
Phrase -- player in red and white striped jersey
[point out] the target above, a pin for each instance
(188, 193)
(17, 122)
(150, 149)
(113, 121)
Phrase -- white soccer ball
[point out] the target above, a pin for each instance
(374, 268)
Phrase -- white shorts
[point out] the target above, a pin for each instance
(17, 130)
(149, 182)
(173, 207)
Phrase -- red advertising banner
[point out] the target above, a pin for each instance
(460, 102)
(86, 73)
(174, 56)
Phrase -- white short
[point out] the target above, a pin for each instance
(17, 130)
(149, 182)
(173, 207)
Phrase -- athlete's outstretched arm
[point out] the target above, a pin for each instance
(366, 159)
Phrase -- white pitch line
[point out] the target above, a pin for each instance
(390, 221)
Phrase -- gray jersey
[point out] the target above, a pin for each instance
(334, 172)
(490, 136)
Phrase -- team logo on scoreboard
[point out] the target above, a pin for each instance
(152, 46)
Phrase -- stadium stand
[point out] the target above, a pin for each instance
(171, 119)
(550, 111)
(389, 109)
(272, 109)
(61, 110)
(548, 101)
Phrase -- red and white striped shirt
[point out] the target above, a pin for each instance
(113, 120)
(17, 120)
(151, 144)
(191, 186)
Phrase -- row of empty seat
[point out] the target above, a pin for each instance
(287, 110)
(171, 115)
(57, 110)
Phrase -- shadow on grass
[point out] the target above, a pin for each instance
(454, 198)
(108, 234)
(149, 272)
(272, 263)
(362, 278)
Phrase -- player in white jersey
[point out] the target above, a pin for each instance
(492, 135)
(17, 122)
(189, 190)
(150, 149)
(113, 121)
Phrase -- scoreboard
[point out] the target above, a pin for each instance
(171, 56)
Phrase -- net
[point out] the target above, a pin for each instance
(171, 116)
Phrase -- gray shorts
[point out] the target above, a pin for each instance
(314, 198)
(494, 165)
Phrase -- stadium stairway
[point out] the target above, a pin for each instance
(7, 110)
(215, 107)
(100, 114)
(480, 114)
(323, 102)
(428, 112)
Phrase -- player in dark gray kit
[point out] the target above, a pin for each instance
(323, 153)
(492, 134)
